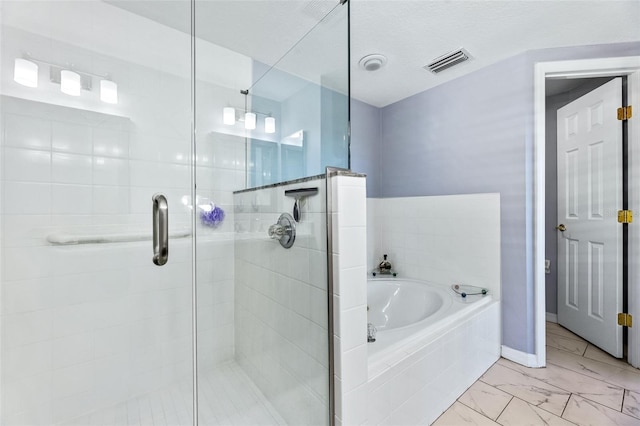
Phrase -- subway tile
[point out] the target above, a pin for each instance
(71, 199)
(27, 165)
(28, 327)
(71, 168)
(27, 132)
(354, 368)
(27, 295)
(110, 171)
(23, 263)
(70, 137)
(27, 360)
(27, 198)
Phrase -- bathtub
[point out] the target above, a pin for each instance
(431, 344)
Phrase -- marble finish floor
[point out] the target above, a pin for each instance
(581, 385)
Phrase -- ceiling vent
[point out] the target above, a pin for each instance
(447, 61)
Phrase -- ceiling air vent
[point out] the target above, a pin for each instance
(447, 61)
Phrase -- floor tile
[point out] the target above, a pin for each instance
(459, 415)
(631, 403)
(520, 413)
(566, 344)
(598, 354)
(485, 399)
(616, 376)
(573, 382)
(586, 413)
(559, 330)
(533, 391)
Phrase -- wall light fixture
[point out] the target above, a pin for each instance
(25, 72)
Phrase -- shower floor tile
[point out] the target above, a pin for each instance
(226, 397)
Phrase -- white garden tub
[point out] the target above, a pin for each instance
(430, 343)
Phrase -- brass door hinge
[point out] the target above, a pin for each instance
(625, 113)
(625, 320)
(625, 216)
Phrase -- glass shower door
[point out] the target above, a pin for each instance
(96, 116)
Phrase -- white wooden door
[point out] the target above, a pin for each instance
(589, 196)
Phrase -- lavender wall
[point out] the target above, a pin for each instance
(475, 134)
(365, 144)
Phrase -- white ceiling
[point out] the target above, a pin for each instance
(409, 33)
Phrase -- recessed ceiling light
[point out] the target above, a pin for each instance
(373, 62)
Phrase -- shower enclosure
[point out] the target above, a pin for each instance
(109, 108)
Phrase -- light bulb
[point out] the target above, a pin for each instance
(250, 121)
(270, 125)
(25, 72)
(70, 82)
(229, 116)
(108, 92)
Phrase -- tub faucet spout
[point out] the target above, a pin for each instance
(371, 333)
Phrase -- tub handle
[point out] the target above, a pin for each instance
(160, 229)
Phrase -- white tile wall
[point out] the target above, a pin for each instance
(281, 306)
(444, 239)
(84, 327)
(349, 213)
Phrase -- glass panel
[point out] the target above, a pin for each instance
(306, 92)
(92, 331)
(263, 355)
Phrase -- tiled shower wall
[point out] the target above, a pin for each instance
(281, 300)
(281, 303)
(87, 326)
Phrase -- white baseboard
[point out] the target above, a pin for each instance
(523, 358)
(552, 317)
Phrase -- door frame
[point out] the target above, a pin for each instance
(584, 68)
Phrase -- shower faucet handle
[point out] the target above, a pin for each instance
(284, 230)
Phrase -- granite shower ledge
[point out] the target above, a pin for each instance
(302, 180)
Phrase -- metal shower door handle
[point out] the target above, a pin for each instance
(160, 229)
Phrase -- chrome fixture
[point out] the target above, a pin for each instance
(284, 230)
(299, 194)
(71, 81)
(250, 118)
(371, 333)
(160, 229)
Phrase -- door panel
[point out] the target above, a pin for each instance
(589, 195)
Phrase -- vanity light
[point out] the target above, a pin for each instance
(70, 82)
(25, 72)
(250, 121)
(108, 92)
(229, 116)
(270, 125)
